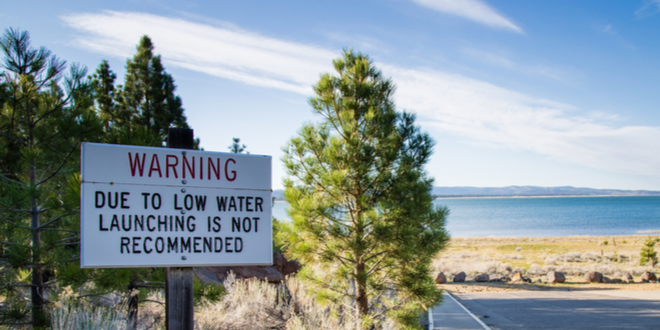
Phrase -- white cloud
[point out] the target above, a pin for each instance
(504, 62)
(220, 51)
(475, 10)
(610, 31)
(485, 113)
(469, 109)
(649, 8)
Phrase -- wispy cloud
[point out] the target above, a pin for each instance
(490, 115)
(222, 51)
(505, 62)
(475, 10)
(649, 8)
(470, 109)
(609, 30)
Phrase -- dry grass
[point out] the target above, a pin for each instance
(247, 304)
(254, 304)
(75, 311)
(536, 256)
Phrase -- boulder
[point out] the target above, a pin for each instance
(460, 277)
(616, 280)
(556, 277)
(648, 277)
(605, 279)
(593, 277)
(441, 278)
(268, 273)
(273, 274)
(482, 278)
(500, 279)
(518, 277)
(628, 278)
(284, 266)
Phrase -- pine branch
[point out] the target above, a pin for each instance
(51, 221)
(12, 138)
(14, 181)
(61, 165)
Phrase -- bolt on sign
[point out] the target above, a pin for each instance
(161, 207)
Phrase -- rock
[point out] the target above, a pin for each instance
(460, 277)
(505, 279)
(482, 278)
(441, 278)
(518, 277)
(616, 280)
(285, 267)
(500, 279)
(628, 278)
(648, 277)
(273, 274)
(593, 277)
(268, 273)
(605, 279)
(556, 277)
(538, 281)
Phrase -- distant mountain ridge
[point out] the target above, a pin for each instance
(522, 191)
(537, 191)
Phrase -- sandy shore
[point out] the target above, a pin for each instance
(613, 256)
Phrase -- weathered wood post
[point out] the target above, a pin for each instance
(179, 280)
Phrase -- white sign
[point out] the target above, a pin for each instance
(158, 207)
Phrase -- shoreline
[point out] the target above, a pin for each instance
(531, 196)
(640, 233)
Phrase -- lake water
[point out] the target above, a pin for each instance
(545, 216)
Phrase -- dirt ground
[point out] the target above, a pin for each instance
(613, 256)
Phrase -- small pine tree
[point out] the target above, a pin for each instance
(648, 254)
(236, 147)
(363, 220)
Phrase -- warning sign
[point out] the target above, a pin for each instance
(158, 207)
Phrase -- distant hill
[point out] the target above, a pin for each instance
(278, 194)
(536, 191)
(522, 191)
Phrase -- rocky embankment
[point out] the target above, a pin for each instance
(647, 281)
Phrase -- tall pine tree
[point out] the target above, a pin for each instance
(363, 221)
(148, 94)
(43, 119)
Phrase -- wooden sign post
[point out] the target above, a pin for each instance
(179, 314)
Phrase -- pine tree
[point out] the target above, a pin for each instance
(648, 254)
(236, 146)
(42, 122)
(148, 95)
(103, 81)
(363, 221)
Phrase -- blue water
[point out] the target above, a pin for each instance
(545, 216)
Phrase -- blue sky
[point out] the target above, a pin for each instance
(514, 92)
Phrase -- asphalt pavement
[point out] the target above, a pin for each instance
(452, 315)
(601, 309)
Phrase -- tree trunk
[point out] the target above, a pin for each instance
(361, 298)
(37, 289)
(132, 304)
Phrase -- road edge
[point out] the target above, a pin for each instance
(469, 313)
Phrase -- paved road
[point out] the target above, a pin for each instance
(450, 315)
(566, 309)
